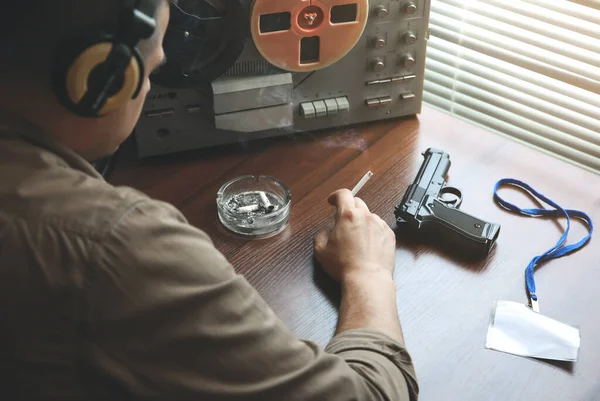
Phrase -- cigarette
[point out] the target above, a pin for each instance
(265, 201)
(249, 209)
(362, 183)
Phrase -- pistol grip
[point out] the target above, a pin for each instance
(458, 227)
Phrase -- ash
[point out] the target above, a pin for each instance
(249, 199)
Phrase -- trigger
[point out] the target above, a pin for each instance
(451, 197)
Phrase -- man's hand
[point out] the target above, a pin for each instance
(360, 253)
(360, 242)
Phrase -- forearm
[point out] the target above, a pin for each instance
(369, 338)
(369, 302)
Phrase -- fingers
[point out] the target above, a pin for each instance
(360, 204)
(342, 199)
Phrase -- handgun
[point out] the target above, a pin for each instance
(430, 205)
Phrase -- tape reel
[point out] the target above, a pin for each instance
(307, 35)
(204, 39)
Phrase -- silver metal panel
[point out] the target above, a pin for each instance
(256, 120)
(245, 93)
(346, 81)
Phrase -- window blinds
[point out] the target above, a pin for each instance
(529, 69)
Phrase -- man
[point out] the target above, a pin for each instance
(106, 294)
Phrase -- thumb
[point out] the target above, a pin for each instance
(321, 240)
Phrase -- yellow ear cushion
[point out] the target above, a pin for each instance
(79, 73)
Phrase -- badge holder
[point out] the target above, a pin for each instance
(520, 329)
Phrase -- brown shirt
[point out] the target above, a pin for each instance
(106, 294)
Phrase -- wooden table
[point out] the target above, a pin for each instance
(444, 300)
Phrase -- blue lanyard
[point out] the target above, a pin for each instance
(558, 250)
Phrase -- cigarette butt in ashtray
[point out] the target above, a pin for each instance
(362, 183)
(249, 208)
(266, 202)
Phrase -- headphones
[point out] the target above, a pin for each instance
(95, 75)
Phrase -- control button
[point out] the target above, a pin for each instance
(410, 38)
(404, 78)
(411, 8)
(408, 62)
(381, 12)
(379, 42)
(407, 96)
(194, 109)
(385, 81)
(320, 108)
(307, 110)
(332, 107)
(385, 100)
(372, 102)
(378, 64)
(375, 82)
(161, 113)
(342, 103)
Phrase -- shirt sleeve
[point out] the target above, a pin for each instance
(170, 319)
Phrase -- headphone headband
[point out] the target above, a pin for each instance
(137, 22)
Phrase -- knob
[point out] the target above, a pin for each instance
(378, 64)
(380, 42)
(410, 38)
(381, 12)
(408, 62)
(411, 8)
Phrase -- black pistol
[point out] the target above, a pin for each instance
(431, 206)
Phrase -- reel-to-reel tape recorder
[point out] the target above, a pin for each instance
(247, 69)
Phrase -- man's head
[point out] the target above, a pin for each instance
(30, 34)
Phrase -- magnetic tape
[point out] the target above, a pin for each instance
(248, 69)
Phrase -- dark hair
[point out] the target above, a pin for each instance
(15, 13)
(30, 30)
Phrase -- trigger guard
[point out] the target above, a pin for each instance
(455, 203)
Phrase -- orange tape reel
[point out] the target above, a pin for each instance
(307, 35)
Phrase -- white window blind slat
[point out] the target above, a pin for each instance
(577, 124)
(498, 118)
(566, 153)
(468, 35)
(533, 120)
(439, 102)
(513, 58)
(584, 113)
(531, 24)
(463, 58)
(574, 10)
(436, 84)
(527, 69)
(488, 115)
(511, 112)
(458, 17)
(547, 15)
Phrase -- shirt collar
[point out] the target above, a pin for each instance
(17, 128)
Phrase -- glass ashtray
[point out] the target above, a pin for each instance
(254, 207)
